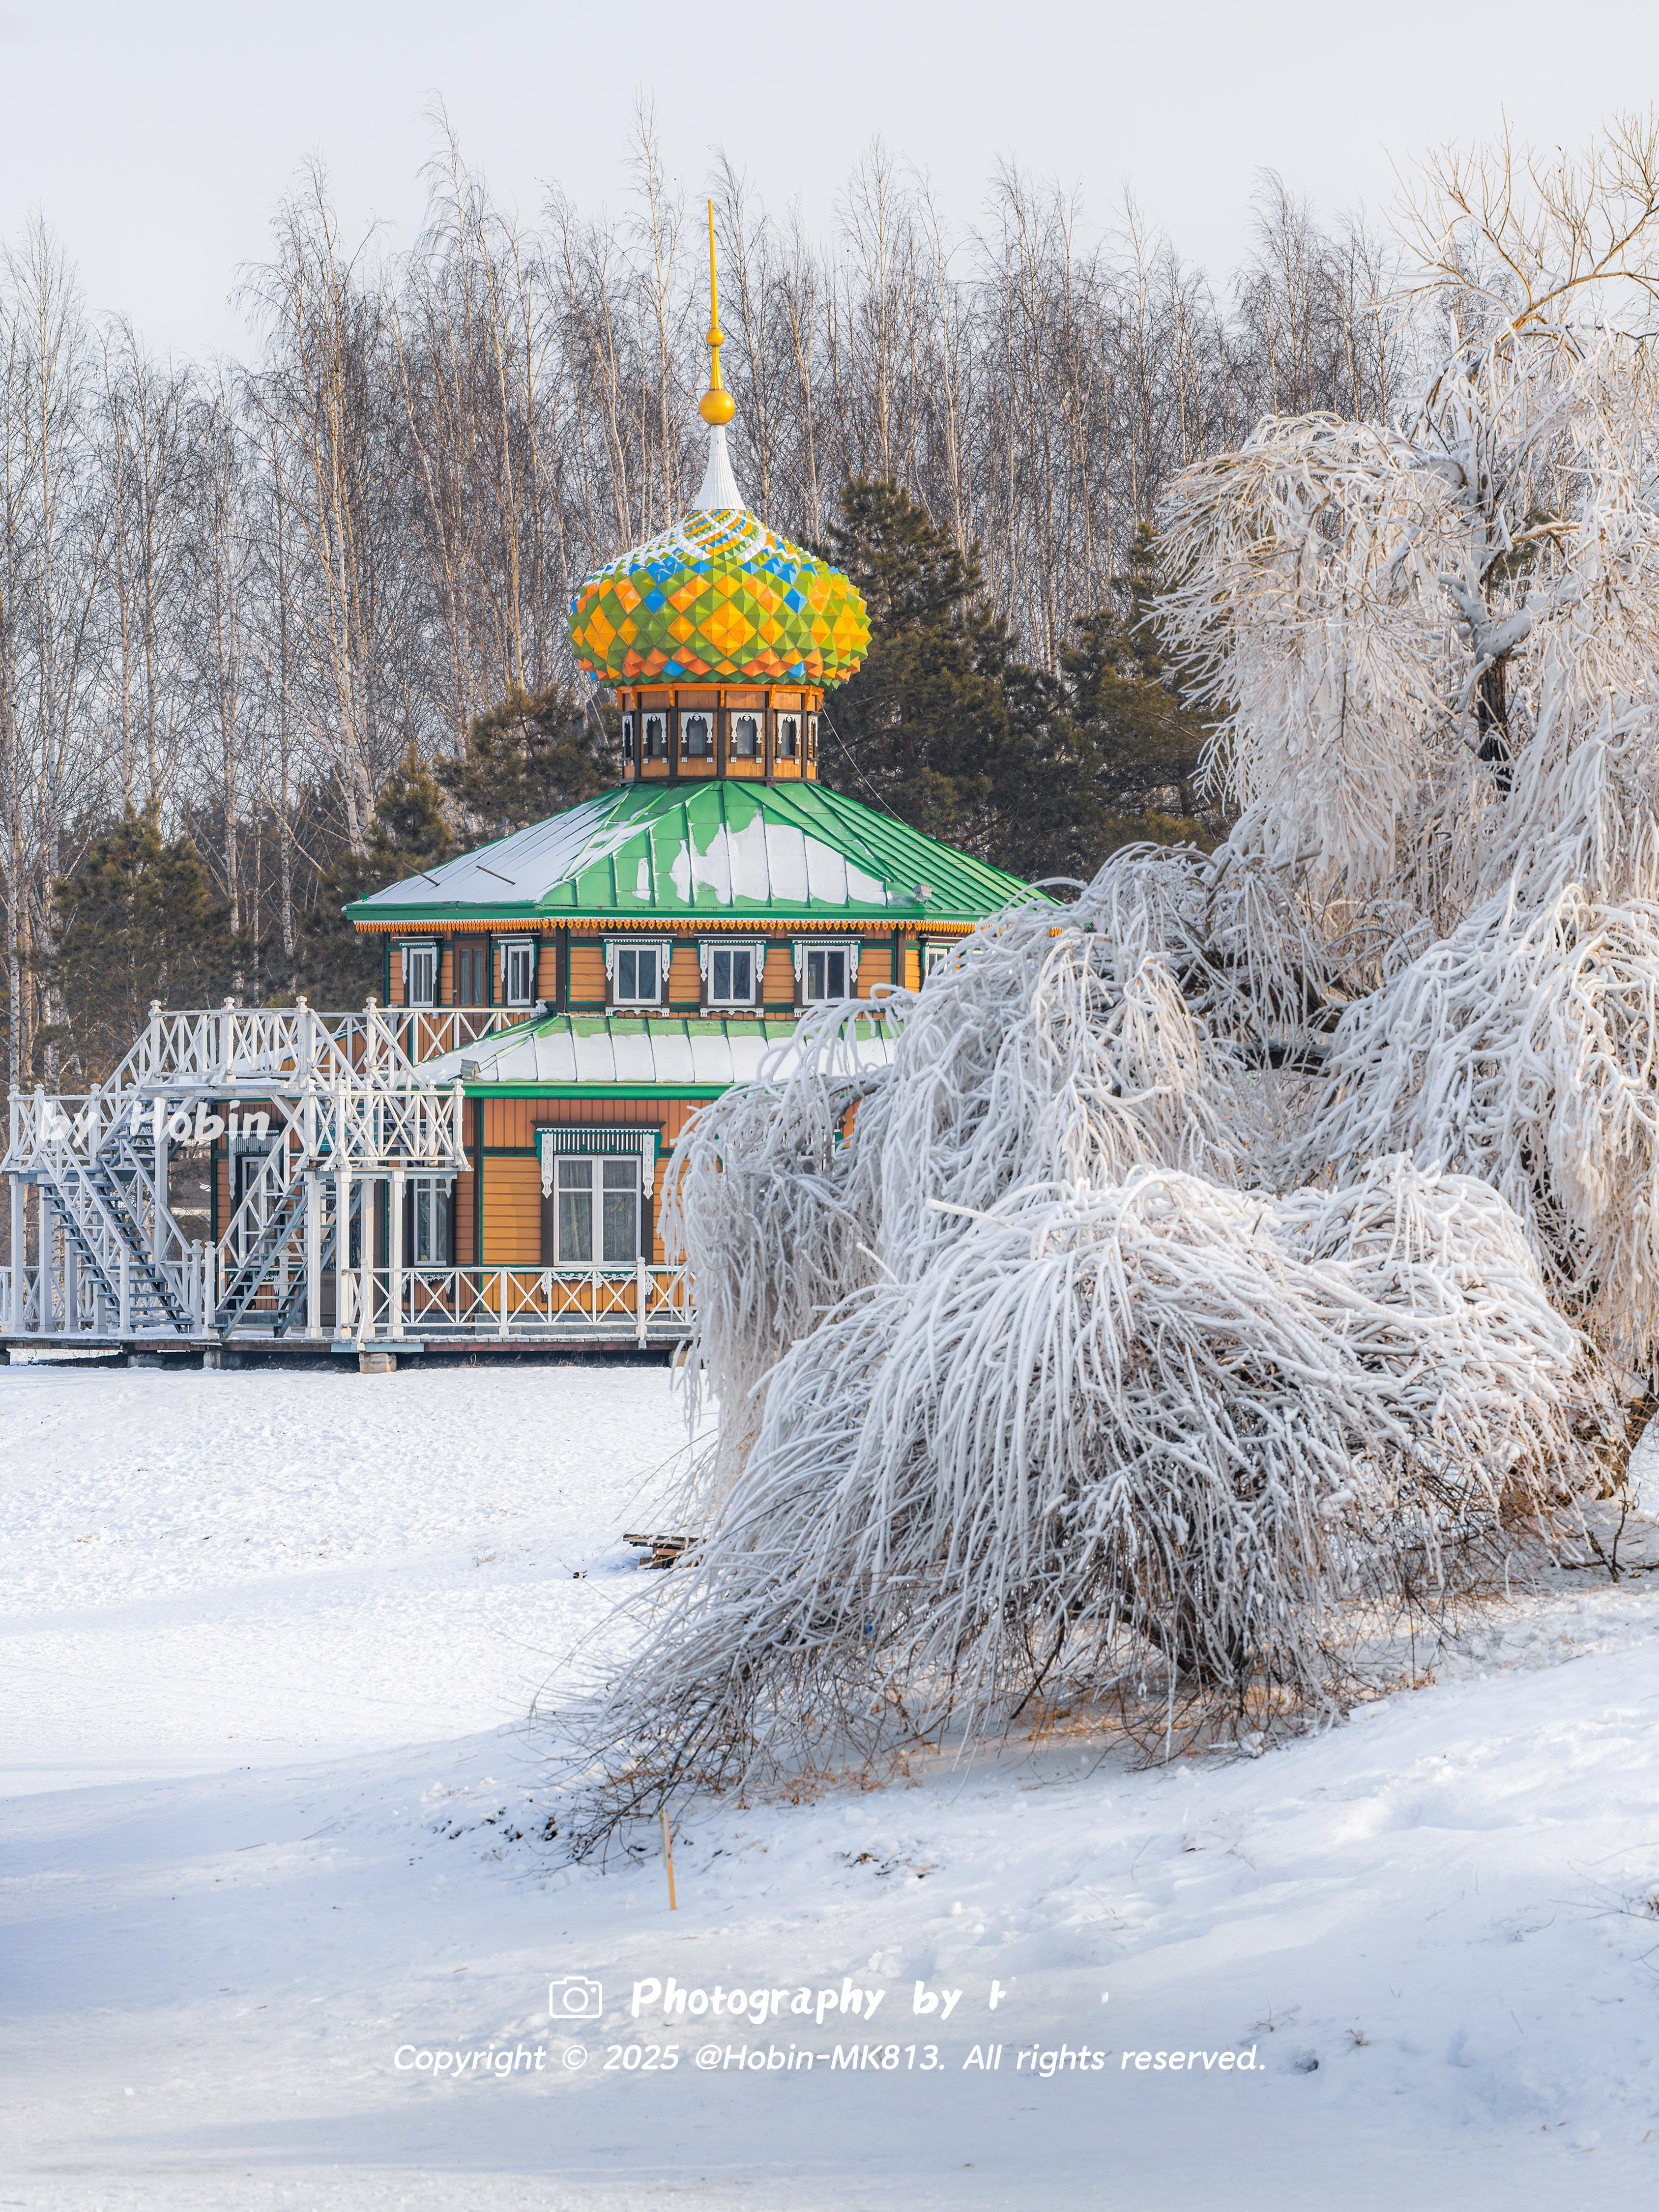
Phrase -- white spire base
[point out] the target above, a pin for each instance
(720, 486)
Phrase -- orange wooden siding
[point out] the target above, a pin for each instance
(587, 972)
(511, 1171)
(466, 1186)
(511, 1212)
(684, 983)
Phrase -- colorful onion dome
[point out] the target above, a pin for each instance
(719, 595)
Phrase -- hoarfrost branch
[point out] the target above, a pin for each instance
(1258, 1242)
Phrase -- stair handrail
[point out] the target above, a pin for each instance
(83, 1204)
(283, 1165)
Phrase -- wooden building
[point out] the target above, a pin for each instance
(480, 1156)
(661, 940)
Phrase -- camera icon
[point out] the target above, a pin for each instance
(575, 1998)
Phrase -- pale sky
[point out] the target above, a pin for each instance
(157, 140)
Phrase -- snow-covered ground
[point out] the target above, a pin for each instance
(273, 1838)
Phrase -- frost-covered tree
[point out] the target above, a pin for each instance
(1261, 1237)
(1438, 642)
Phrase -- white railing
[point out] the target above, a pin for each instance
(516, 1302)
(40, 1120)
(424, 1033)
(506, 1304)
(280, 1171)
(225, 1047)
(230, 1048)
(440, 1305)
(420, 1130)
(84, 1124)
(490, 1304)
(86, 1314)
(350, 1108)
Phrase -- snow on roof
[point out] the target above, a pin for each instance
(651, 850)
(519, 869)
(668, 1054)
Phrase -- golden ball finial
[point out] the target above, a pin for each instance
(717, 406)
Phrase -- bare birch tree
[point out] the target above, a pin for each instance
(241, 594)
(52, 535)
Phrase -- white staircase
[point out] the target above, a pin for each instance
(350, 1108)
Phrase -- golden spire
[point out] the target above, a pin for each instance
(717, 406)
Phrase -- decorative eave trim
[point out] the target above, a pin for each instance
(678, 925)
(492, 925)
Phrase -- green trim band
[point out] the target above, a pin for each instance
(597, 1091)
(682, 922)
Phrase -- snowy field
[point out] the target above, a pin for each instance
(271, 1841)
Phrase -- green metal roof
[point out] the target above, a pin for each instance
(678, 852)
(578, 1056)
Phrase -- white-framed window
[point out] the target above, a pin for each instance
(419, 974)
(427, 1242)
(745, 737)
(518, 972)
(731, 974)
(933, 957)
(697, 737)
(637, 973)
(811, 737)
(827, 971)
(788, 736)
(654, 739)
(596, 1210)
(628, 740)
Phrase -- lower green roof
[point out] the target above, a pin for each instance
(578, 1055)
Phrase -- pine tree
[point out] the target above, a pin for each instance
(411, 832)
(137, 919)
(943, 725)
(1129, 711)
(531, 756)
